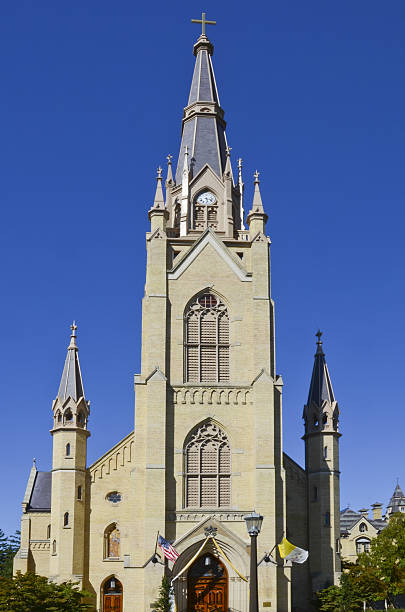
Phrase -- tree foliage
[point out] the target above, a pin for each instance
(29, 592)
(8, 547)
(377, 575)
(164, 602)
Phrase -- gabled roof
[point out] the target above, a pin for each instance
(208, 237)
(349, 518)
(40, 500)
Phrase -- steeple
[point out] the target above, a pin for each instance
(321, 416)
(71, 384)
(320, 389)
(203, 130)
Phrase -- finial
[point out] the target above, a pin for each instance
(319, 335)
(34, 462)
(169, 159)
(203, 22)
(159, 201)
(73, 327)
(240, 163)
(228, 151)
(256, 175)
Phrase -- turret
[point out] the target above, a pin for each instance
(68, 500)
(397, 502)
(321, 416)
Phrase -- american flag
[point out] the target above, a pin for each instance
(167, 549)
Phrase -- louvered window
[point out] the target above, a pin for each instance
(208, 468)
(207, 340)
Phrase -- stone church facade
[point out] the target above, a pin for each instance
(207, 446)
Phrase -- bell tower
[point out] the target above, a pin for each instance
(208, 426)
(321, 416)
(69, 484)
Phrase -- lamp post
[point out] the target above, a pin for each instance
(253, 523)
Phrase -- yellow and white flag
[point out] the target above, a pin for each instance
(292, 553)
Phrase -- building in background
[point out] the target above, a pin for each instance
(357, 529)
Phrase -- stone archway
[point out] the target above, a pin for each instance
(207, 585)
(235, 550)
(112, 595)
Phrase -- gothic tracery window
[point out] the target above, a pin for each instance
(207, 340)
(208, 468)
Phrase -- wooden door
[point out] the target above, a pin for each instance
(112, 603)
(207, 586)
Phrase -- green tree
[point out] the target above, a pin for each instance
(8, 547)
(377, 575)
(164, 602)
(32, 593)
(387, 556)
(330, 599)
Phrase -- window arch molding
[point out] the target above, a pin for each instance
(207, 467)
(206, 332)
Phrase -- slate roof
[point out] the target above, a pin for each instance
(203, 132)
(397, 500)
(349, 518)
(71, 384)
(40, 500)
(320, 388)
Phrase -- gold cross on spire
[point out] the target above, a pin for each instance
(203, 22)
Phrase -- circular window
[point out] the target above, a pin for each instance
(114, 497)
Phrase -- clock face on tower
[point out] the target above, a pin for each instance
(206, 197)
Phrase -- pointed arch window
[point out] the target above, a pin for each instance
(207, 468)
(206, 340)
(67, 450)
(112, 542)
(66, 519)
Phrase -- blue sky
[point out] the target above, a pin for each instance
(91, 103)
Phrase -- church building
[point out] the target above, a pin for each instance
(207, 445)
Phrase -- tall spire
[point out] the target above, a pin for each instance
(71, 384)
(320, 388)
(203, 129)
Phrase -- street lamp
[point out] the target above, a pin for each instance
(253, 523)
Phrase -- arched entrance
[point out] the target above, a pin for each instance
(112, 595)
(207, 585)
